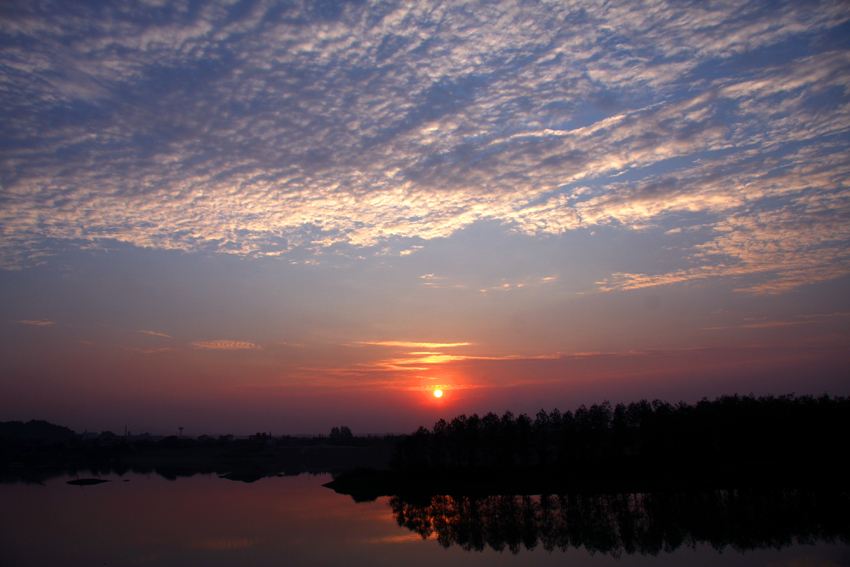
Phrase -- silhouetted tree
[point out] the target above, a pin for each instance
(646, 523)
(730, 429)
(341, 436)
(542, 436)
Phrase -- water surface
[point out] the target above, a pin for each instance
(204, 520)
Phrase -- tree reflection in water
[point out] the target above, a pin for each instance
(632, 523)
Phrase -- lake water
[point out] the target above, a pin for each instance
(206, 521)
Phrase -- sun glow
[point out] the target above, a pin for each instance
(438, 393)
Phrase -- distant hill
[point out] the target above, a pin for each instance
(34, 431)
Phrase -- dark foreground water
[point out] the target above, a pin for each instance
(281, 521)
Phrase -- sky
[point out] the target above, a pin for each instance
(241, 216)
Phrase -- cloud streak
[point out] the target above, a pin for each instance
(414, 344)
(36, 323)
(155, 334)
(225, 345)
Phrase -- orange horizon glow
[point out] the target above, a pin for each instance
(409, 344)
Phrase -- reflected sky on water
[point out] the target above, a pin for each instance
(204, 520)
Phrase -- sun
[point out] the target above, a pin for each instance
(438, 393)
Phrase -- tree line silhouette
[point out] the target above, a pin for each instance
(645, 523)
(728, 429)
(37, 451)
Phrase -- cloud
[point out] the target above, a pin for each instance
(153, 350)
(806, 319)
(785, 248)
(36, 323)
(436, 358)
(421, 361)
(225, 345)
(154, 333)
(288, 129)
(413, 344)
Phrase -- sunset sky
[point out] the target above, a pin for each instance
(239, 216)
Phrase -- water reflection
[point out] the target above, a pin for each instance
(632, 523)
(291, 521)
(202, 520)
(248, 473)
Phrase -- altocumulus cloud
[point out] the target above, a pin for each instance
(261, 128)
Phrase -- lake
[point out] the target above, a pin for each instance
(203, 520)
